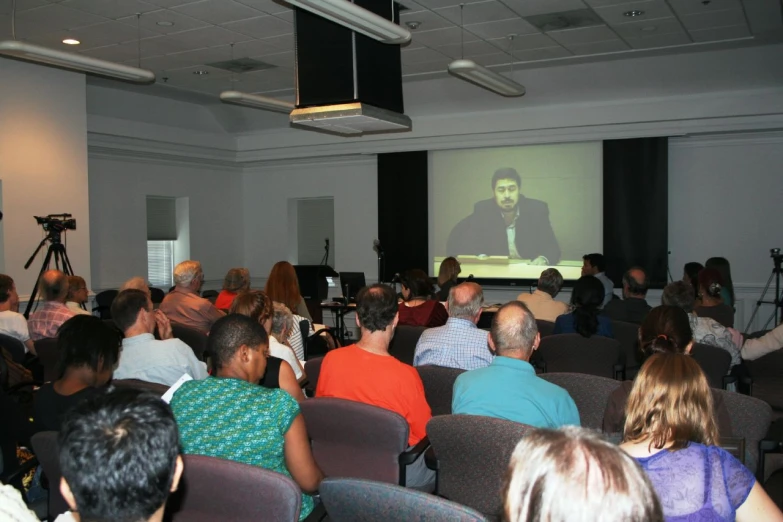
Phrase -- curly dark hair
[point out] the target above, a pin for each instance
(376, 307)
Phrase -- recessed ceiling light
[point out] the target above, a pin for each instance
(200, 72)
(413, 25)
(71, 41)
(649, 28)
(165, 23)
(633, 13)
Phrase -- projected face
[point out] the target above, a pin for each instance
(506, 194)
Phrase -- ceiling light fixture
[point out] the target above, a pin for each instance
(357, 19)
(413, 25)
(257, 101)
(77, 62)
(165, 23)
(474, 73)
(201, 72)
(71, 41)
(634, 13)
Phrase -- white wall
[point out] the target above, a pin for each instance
(43, 164)
(118, 191)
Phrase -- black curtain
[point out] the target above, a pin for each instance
(403, 213)
(636, 212)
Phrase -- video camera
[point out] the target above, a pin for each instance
(56, 223)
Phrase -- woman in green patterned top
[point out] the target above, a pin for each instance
(228, 416)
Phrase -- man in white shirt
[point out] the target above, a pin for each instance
(143, 357)
(12, 323)
(595, 265)
(542, 302)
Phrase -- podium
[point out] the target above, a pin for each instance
(313, 287)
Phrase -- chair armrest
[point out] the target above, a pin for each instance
(619, 372)
(14, 478)
(410, 456)
(20, 385)
(767, 446)
(729, 379)
(430, 459)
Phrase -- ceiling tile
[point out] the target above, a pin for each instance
(261, 27)
(583, 35)
(476, 48)
(477, 13)
(488, 60)
(436, 4)
(209, 36)
(538, 7)
(284, 42)
(764, 15)
(451, 35)
(150, 21)
(116, 53)
(21, 5)
(720, 33)
(175, 60)
(547, 53)
(288, 16)
(285, 59)
(686, 7)
(501, 28)
(602, 3)
(189, 74)
(267, 6)
(429, 21)
(98, 35)
(52, 17)
(524, 42)
(609, 46)
(171, 3)
(659, 40)
(649, 28)
(111, 8)
(253, 48)
(424, 67)
(424, 54)
(614, 15)
(218, 11)
(711, 19)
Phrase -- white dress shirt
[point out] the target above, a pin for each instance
(145, 358)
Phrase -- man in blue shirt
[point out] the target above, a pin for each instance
(459, 343)
(509, 388)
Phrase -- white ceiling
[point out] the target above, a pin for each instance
(203, 31)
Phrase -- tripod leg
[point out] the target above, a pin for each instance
(67, 268)
(760, 301)
(44, 268)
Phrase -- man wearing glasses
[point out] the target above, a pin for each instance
(183, 305)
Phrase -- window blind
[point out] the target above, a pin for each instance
(160, 263)
(161, 219)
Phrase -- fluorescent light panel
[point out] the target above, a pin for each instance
(474, 73)
(356, 19)
(257, 101)
(76, 62)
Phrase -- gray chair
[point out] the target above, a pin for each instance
(473, 453)
(193, 338)
(572, 353)
(355, 500)
(627, 334)
(767, 384)
(312, 369)
(103, 301)
(47, 451)
(14, 347)
(545, 328)
(750, 420)
(218, 489)
(439, 386)
(403, 344)
(590, 393)
(714, 362)
(49, 357)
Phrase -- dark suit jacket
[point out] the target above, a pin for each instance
(631, 310)
(484, 232)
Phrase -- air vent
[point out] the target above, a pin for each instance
(565, 20)
(242, 65)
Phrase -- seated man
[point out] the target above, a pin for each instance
(183, 305)
(119, 455)
(458, 343)
(365, 372)
(13, 323)
(542, 302)
(633, 307)
(52, 313)
(143, 357)
(595, 265)
(77, 295)
(137, 283)
(509, 388)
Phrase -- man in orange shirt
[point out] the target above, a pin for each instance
(365, 372)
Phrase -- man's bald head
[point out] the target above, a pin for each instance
(54, 286)
(514, 331)
(465, 301)
(635, 282)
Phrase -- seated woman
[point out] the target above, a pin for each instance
(671, 432)
(586, 299)
(77, 295)
(598, 479)
(237, 280)
(710, 303)
(229, 416)
(666, 329)
(418, 308)
(721, 264)
(283, 367)
(283, 286)
(447, 277)
(89, 350)
(691, 275)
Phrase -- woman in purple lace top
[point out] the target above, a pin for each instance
(671, 431)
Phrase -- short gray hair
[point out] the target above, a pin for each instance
(514, 329)
(550, 281)
(679, 294)
(136, 283)
(282, 321)
(472, 297)
(186, 271)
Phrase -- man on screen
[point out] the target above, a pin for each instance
(509, 224)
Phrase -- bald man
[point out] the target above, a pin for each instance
(633, 307)
(52, 313)
(459, 343)
(509, 387)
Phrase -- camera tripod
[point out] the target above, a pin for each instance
(57, 251)
(777, 260)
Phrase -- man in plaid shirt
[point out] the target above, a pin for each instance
(52, 313)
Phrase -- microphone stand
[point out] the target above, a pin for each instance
(380, 263)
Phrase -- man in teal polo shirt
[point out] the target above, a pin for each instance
(509, 388)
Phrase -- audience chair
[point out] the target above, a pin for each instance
(627, 334)
(572, 353)
(767, 384)
(156, 295)
(47, 451)
(315, 345)
(355, 500)
(210, 295)
(545, 328)
(229, 491)
(473, 453)
(49, 357)
(403, 344)
(103, 301)
(485, 319)
(193, 338)
(439, 386)
(590, 393)
(750, 420)
(312, 369)
(353, 439)
(14, 347)
(153, 387)
(714, 362)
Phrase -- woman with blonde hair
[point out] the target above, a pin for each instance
(237, 280)
(282, 286)
(670, 430)
(447, 277)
